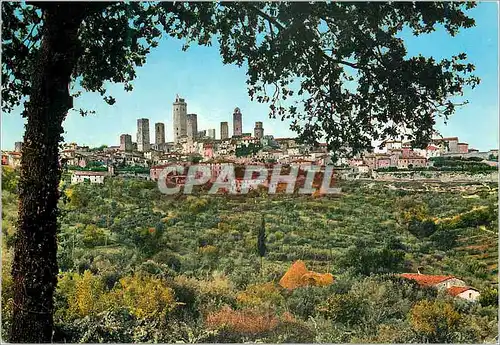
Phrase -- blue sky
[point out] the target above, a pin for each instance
(212, 90)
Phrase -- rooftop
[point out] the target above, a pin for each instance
(456, 290)
(426, 279)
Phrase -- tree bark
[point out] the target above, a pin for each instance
(35, 267)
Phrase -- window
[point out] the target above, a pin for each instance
(470, 294)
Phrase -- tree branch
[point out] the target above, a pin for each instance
(284, 29)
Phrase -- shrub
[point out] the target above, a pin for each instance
(260, 295)
(84, 294)
(421, 228)
(343, 308)
(145, 296)
(241, 323)
(436, 321)
(304, 301)
(489, 297)
(93, 236)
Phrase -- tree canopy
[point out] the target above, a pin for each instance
(339, 71)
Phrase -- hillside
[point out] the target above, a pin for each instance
(195, 257)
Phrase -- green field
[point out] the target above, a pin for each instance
(140, 266)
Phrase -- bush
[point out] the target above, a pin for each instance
(489, 297)
(304, 301)
(422, 228)
(10, 179)
(83, 294)
(343, 308)
(364, 259)
(444, 239)
(145, 296)
(435, 321)
(237, 324)
(93, 236)
(265, 295)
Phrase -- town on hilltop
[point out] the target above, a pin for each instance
(146, 159)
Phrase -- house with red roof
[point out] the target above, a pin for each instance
(464, 292)
(454, 286)
(437, 281)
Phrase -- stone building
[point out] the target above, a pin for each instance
(258, 130)
(237, 123)
(192, 126)
(143, 139)
(159, 133)
(224, 130)
(179, 118)
(126, 142)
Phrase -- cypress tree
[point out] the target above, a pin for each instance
(261, 242)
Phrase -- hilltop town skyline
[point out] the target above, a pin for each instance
(213, 133)
(213, 90)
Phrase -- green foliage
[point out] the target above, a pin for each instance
(303, 302)
(261, 239)
(489, 297)
(470, 164)
(93, 236)
(247, 150)
(343, 308)
(195, 158)
(444, 239)
(422, 229)
(98, 148)
(436, 321)
(10, 179)
(363, 259)
(169, 263)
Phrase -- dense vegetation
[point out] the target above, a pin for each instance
(137, 266)
(470, 164)
(459, 164)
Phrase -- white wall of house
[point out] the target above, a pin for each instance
(470, 295)
(81, 178)
(450, 282)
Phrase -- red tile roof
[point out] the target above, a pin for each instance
(426, 279)
(456, 290)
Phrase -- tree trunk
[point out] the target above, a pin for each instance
(35, 265)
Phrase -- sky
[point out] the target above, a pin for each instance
(212, 90)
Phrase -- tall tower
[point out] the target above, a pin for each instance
(143, 141)
(192, 126)
(180, 112)
(159, 133)
(211, 133)
(18, 146)
(258, 131)
(224, 130)
(237, 122)
(126, 142)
